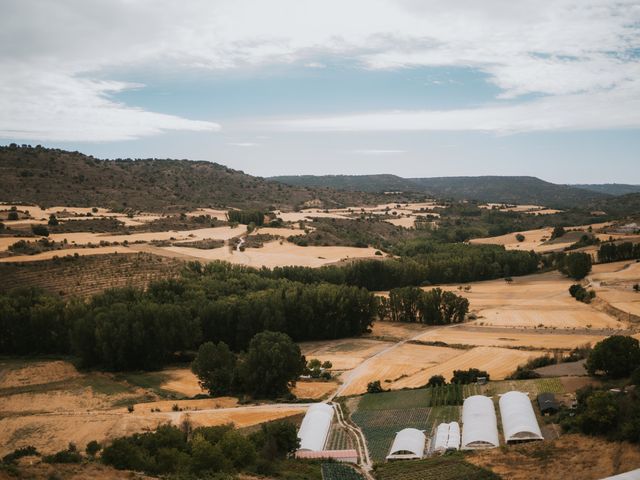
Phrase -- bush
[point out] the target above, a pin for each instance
(468, 376)
(92, 448)
(436, 380)
(13, 215)
(40, 230)
(520, 237)
(374, 387)
(19, 453)
(70, 455)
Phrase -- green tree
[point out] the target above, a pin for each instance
(436, 380)
(374, 387)
(577, 265)
(53, 221)
(600, 413)
(617, 356)
(215, 366)
(13, 215)
(273, 363)
(92, 448)
(207, 457)
(40, 230)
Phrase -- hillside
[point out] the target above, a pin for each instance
(50, 177)
(521, 190)
(610, 188)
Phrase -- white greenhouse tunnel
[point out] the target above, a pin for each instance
(447, 437)
(408, 444)
(315, 427)
(519, 421)
(479, 424)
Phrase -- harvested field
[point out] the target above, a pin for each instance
(532, 301)
(401, 367)
(278, 253)
(344, 354)
(186, 405)
(51, 254)
(498, 362)
(570, 456)
(508, 337)
(181, 380)
(87, 275)
(395, 331)
(314, 390)
(15, 374)
(563, 369)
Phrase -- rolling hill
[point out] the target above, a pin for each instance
(610, 188)
(522, 190)
(51, 177)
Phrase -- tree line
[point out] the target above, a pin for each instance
(433, 307)
(611, 252)
(246, 217)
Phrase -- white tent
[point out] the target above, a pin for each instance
(518, 418)
(453, 443)
(479, 423)
(408, 444)
(315, 427)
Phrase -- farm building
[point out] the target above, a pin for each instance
(547, 403)
(519, 421)
(408, 444)
(447, 437)
(479, 424)
(315, 426)
(345, 456)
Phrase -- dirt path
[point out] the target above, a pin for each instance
(361, 443)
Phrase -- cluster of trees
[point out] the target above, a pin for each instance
(615, 415)
(125, 329)
(246, 217)
(204, 451)
(616, 356)
(610, 252)
(575, 265)
(271, 365)
(581, 294)
(423, 262)
(433, 307)
(469, 376)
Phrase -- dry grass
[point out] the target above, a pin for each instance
(570, 456)
(344, 354)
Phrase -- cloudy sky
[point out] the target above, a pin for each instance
(411, 87)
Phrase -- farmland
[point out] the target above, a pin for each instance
(450, 467)
(338, 471)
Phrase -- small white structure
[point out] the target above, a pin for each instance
(408, 444)
(632, 475)
(453, 443)
(519, 421)
(315, 426)
(479, 424)
(447, 437)
(441, 438)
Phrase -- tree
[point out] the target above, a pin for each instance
(600, 413)
(468, 376)
(53, 221)
(40, 230)
(617, 356)
(520, 237)
(558, 232)
(577, 265)
(374, 387)
(436, 381)
(92, 448)
(13, 215)
(215, 366)
(273, 363)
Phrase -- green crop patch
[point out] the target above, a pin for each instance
(449, 467)
(339, 471)
(399, 399)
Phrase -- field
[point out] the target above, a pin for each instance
(570, 456)
(344, 354)
(49, 403)
(85, 276)
(613, 283)
(450, 467)
(338, 471)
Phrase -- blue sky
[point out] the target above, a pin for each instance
(414, 88)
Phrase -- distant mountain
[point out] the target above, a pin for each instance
(521, 190)
(50, 177)
(610, 188)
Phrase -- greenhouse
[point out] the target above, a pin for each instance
(315, 426)
(447, 437)
(519, 421)
(479, 424)
(408, 444)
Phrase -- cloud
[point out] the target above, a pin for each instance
(378, 152)
(55, 57)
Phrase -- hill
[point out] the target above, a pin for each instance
(52, 177)
(499, 189)
(610, 188)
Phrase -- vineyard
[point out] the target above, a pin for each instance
(86, 275)
(339, 471)
(380, 427)
(449, 467)
(339, 439)
(442, 395)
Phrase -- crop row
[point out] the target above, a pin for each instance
(339, 471)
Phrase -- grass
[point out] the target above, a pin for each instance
(150, 381)
(448, 467)
(533, 386)
(400, 399)
(339, 471)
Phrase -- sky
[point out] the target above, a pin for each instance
(417, 88)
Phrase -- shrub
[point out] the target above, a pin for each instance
(468, 376)
(520, 237)
(40, 230)
(374, 387)
(436, 380)
(19, 453)
(616, 356)
(92, 448)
